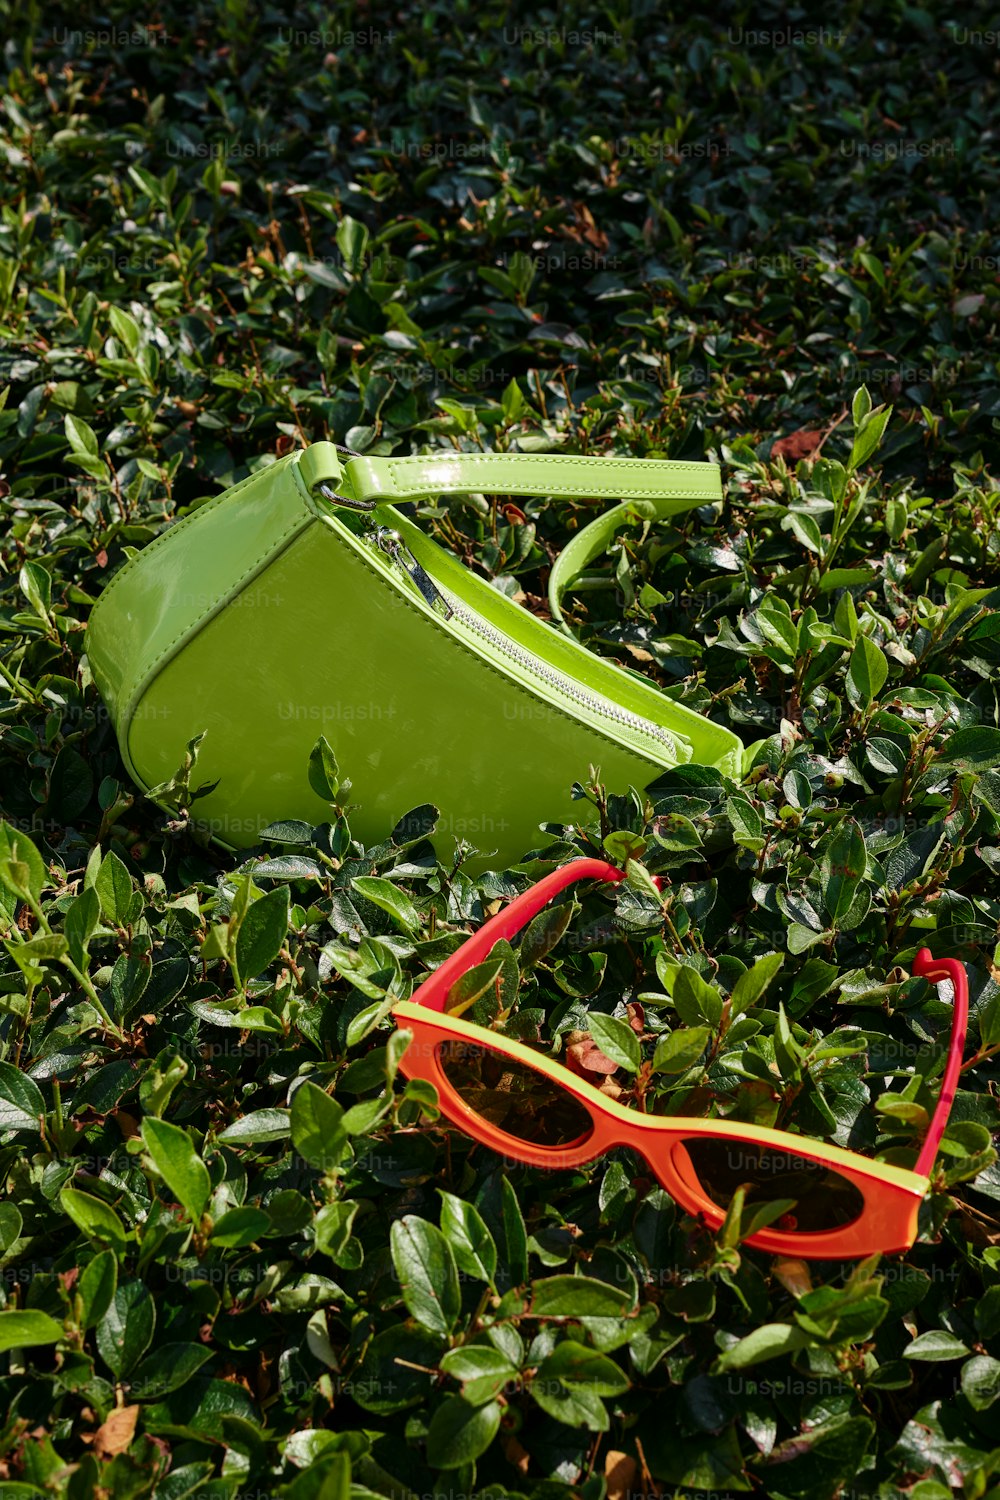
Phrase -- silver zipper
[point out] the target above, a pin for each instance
(391, 543)
(447, 604)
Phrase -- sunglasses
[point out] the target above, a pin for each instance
(834, 1203)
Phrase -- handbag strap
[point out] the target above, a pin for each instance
(648, 488)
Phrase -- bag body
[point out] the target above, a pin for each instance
(300, 602)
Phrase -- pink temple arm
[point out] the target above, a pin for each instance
(936, 969)
(434, 990)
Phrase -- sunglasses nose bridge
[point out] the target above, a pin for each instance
(670, 1164)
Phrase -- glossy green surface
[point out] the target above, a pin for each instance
(266, 620)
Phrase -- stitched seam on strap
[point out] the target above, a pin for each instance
(677, 464)
(679, 472)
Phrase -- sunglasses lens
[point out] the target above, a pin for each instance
(512, 1096)
(823, 1199)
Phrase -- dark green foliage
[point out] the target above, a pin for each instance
(238, 1256)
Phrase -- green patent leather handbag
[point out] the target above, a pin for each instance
(300, 602)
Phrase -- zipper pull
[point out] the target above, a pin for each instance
(391, 543)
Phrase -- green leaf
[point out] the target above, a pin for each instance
(80, 923)
(935, 1346)
(576, 1297)
(616, 1040)
(896, 517)
(885, 756)
(621, 846)
(827, 1458)
(773, 619)
(81, 437)
(318, 1132)
(861, 405)
(515, 1232)
(796, 788)
(247, 1018)
(352, 242)
(974, 749)
(31, 956)
(127, 985)
(695, 999)
(27, 1330)
(468, 987)
(522, 270)
(22, 1106)
(799, 938)
(842, 868)
(22, 869)
(174, 1156)
(166, 1369)
(324, 772)
(805, 528)
(261, 934)
(746, 823)
(114, 889)
(125, 328)
(332, 1228)
(365, 1115)
(675, 832)
(96, 1287)
(576, 1406)
(258, 1126)
(750, 986)
(788, 1053)
(845, 617)
(95, 1218)
(767, 1342)
(11, 1225)
(676, 1051)
(366, 1020)
(754, 1217)
(482, 1370)
(512, 402)
(472, 1244)
(355, 968)
(868, 436)
(543, 933)
(459, 1433)
(328, 1477)
(36, 586)
(389, 898)
(640, 880)
(866, 672)
(427, 1274)
(576, 1364)
(397, 1368)
(126, 1330)
(981, 1381)
(904, 1109)
(239, 1227)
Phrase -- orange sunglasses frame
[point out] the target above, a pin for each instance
(892, 1195)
